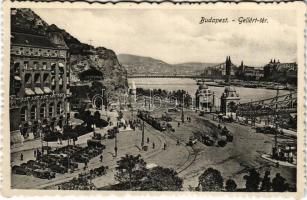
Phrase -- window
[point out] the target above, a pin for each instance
(28, 78)
(23, 114)
(53, 68)
(44, 65)
(53, 84)
(53, 80)
(45, 78)
(60, 81)
(51, 105)
(42, 111)
(59, 108)
(33, 112)
(26, 65)
(37, 78)
(35, 65)
(17, 68)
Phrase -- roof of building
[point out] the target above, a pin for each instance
(202, 87)
(26, 39)
(230, 89)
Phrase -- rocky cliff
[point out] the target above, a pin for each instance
(83, 56)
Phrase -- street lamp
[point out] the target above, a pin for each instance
(182, 114)
(143, 127)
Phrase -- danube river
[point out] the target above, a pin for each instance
(171, 84)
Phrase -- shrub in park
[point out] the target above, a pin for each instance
(279, 183)
(222, 143)
(130, 170)
(252, 180)
(266, 182)
(231, 185)
(211, 180)
(162, 179)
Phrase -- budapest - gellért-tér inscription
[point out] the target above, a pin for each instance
(239, 20)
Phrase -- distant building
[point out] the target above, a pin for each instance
(229, 100)
(249, 73)
(39, 84)
(224, 70)
(204, 98)
(281, 72)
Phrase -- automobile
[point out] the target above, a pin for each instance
(94, 143)
(208, 142)
(80, 159)
(201, 113)
(229, 137)
(71, 164)
(30, 167)
(267, 130)
(20, 170)
(221, 143)
(43, 173)
(101, 170)
(260, 129)
(166, 117)
(172, 110)
(58, 168)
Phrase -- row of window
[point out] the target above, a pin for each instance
(38, 52)
(42, 111)
(36, 65)
(37, 79)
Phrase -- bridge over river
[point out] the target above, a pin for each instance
(283, 104)
(165, 76)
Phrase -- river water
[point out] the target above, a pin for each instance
(171, 84)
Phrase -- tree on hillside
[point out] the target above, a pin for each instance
(279, 183)
(266, 182)
(211, 180)
(231, 185)
(252, 180)
(130, 169)
(162, 179)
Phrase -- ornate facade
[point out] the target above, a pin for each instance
(39, 84)
(229, 100)
(204, 98)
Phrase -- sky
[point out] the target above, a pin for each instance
(175, 36)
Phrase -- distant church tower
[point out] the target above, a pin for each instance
(228, 69)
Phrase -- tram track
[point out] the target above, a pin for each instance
(192, 153)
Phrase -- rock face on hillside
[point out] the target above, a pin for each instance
(82, 56)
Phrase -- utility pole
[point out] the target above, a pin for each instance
(149, 98)
(143, 127)
(115, 145)
(182, 114)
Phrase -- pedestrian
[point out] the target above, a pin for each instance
(178, 124)
(164, 146)
(153, 145)
(21, 156)
(219, 126)
(34, 153)
(147, 140)
(115, 149)
(101, 157)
